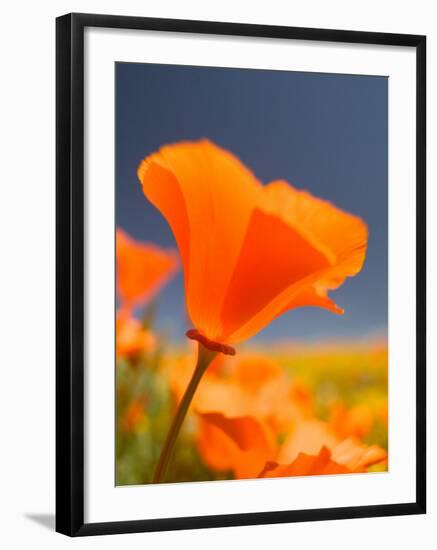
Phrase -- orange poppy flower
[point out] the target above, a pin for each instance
(311, 435)
(131, 337)
(142, 269)
(239, 444)
(249, 252)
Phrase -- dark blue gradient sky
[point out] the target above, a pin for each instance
(322, 132)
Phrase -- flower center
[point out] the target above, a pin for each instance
(194, 334)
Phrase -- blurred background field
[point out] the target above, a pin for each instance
(342, 384)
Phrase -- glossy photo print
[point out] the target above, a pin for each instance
(251, 274)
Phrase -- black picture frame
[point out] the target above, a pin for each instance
(70, 273)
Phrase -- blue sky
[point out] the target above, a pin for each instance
(322, 132)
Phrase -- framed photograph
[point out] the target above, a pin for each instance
(240, 274)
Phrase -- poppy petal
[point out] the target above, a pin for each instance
(357, 455)
(142, 269)
(240, 444)
(273, 257)
(325, 244)
(311, 297)
(308, 437)
(207, 196)
(311, 435)
(306, 465)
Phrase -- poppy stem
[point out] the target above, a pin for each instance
(204, 359)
